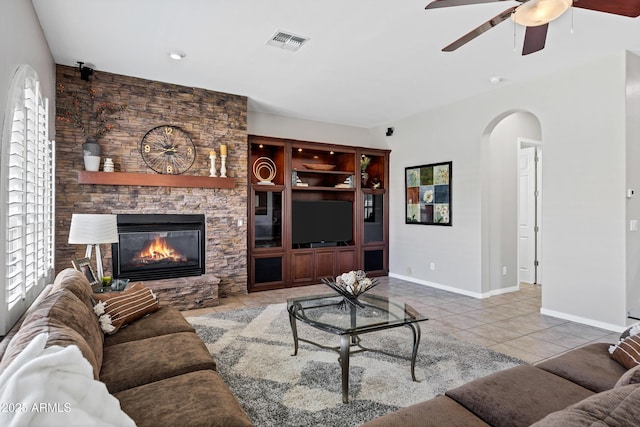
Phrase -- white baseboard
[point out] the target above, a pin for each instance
(479, 295)
(583, 320)
(544, 311)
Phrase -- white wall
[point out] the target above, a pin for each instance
(22, 42)
(307, 130)
(633, 180)
(582, 117)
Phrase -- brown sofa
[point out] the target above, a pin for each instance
(157, 367)
(584, 387)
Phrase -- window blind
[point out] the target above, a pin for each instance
(28, 192)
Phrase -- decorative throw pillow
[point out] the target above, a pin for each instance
(116, 309)
(627, 351)
(627, 331)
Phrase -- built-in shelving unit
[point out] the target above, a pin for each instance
(153, 180)
(317, 173)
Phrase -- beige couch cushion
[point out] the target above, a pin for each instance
(195, 399)
(440, 411)
(517, 397)
(68, 321)
(619, 407)
(167, 320)
(590, 366)
(135, 363)
(75, 282)
(632, 376)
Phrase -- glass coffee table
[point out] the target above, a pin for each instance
(330, 313)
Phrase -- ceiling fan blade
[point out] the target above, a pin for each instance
(534, 39)
(449, 3)
(630, 8)
(479, 30)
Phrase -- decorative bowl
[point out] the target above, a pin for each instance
(318, 166)
(351, 285)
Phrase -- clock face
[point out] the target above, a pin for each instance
(168, 150)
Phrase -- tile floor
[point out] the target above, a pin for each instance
(509, 323)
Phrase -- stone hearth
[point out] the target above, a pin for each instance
(187, 293)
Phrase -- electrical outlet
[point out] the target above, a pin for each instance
(504, 271)
(433, 266)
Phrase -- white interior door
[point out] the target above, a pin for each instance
(527, 215)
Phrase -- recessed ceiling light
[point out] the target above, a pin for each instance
(177, 55)
(495, 79)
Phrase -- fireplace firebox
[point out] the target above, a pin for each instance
(157, 246)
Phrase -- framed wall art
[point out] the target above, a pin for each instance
(428, 194)
(84, 265)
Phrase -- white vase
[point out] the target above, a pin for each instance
(108, 165)
(92, 163)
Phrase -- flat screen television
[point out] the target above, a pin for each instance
(321, 221)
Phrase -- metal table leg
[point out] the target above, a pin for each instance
(294, 330)
(415, 328)
(345, 348)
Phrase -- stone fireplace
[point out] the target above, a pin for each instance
(211, 119)
(159, 246)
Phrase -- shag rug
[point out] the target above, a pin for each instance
(253, 349)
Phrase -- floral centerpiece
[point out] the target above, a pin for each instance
(350, 285)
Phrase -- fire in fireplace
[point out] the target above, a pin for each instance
(158, 251)
(159, 246)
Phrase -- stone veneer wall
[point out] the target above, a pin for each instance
(211, 118)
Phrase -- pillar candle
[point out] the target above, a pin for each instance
(223, 150)
(212, 153)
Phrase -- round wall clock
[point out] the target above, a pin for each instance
(168, 150)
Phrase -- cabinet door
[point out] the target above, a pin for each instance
(267, 219)
(267, 272)
(373, 216)
(302, 266)
(346, 260)
(325, 264)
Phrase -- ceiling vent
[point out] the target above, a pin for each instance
(287, 41)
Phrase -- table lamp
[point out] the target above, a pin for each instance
(93, 229)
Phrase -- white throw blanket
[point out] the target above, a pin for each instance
(55, 387)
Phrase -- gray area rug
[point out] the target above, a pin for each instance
(253, 349)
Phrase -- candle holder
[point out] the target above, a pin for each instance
(212, 171)
(223, 168)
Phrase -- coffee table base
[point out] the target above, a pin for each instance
(347, 342)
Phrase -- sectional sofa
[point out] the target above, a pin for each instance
(584, 387)
(155, 371)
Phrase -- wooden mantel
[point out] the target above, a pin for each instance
(153, 180)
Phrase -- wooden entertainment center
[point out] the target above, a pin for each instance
(290, 246)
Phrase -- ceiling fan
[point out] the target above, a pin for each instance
(535, 15)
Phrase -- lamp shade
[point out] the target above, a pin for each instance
(539, 12)
(91, 229)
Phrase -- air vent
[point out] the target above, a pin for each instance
(287, 41)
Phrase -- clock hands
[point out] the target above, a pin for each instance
(170, 149)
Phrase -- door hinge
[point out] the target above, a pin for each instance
(536, 263)
(536, 229)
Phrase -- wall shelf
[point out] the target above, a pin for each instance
(153, 180)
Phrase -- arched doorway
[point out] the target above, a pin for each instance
(500, 186)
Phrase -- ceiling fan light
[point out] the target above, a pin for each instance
(539, 12)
